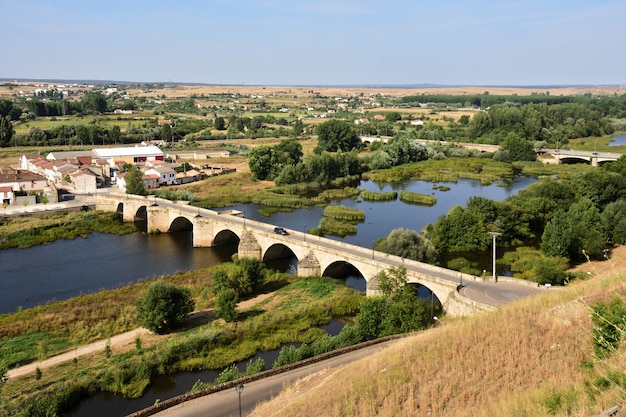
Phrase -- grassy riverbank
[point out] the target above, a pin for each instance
(23, 232)
(292, 313)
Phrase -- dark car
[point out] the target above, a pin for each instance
(280, 231)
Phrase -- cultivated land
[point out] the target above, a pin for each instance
(178, 91)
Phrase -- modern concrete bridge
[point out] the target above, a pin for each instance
(316, 255)
(569, 156)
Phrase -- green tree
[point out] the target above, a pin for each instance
(226, 304)
(6, 131)
(247, 275)
(393, 116)
(163, 307)
(518, 149)
(220, 123)
(288, 151)
(166, 133)
(575, 233)
(335, 135)
(613, 220)
(115, 134)
(134, 182)
(368, 321)
(261, 161)
(391, 281)
(298, 128)
(94, 103)
(408, 244)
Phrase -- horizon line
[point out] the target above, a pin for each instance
(5, 80)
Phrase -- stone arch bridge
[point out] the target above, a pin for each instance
(316, 255)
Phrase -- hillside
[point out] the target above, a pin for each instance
(534, 357)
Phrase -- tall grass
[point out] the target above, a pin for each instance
(417, 198)
(344, 213)
(375, 196)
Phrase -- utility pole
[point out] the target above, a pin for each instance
(494, 234)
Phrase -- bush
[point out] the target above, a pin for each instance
(226, 304)
(163, 307)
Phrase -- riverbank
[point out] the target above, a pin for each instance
(123, 342)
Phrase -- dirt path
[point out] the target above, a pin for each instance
(121, 342)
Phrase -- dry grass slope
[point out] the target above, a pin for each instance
(523, 360)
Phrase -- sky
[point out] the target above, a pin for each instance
(317, 43)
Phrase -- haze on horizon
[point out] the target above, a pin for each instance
(351, 42)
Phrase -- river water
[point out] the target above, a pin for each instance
(618, 140)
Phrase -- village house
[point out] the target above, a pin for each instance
(188, 176)
(7, 196)
(166, 174)
(25, 183)
(83, 181)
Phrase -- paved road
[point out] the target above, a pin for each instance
(498, 293)
(226, 403)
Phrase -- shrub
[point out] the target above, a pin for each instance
(226, 304)
(163, 307)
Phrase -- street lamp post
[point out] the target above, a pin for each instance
(239, 388)
(304, 234)
(494, 234)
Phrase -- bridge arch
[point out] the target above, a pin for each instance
(278, 251)
(141, 213)
(354, 278)
(226, 236)
(180, 223)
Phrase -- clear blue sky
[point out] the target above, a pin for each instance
(321, 42)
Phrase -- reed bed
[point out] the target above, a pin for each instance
(417, 198)
(376, 196)
(292, 314)
(329, 226)
(344, 213)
